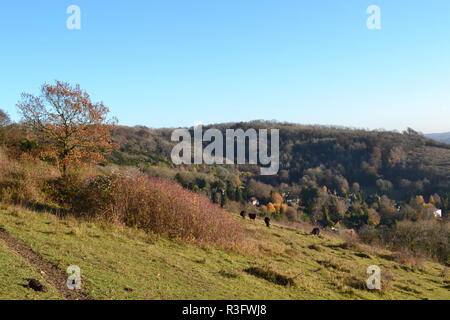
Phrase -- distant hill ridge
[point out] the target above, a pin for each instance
(409, 162)
(442, 137)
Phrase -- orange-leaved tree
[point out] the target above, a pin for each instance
(69, 127)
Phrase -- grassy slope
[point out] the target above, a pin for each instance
(13, 272)
(112, 259)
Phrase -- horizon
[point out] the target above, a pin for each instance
(283, 123)
(173, 64)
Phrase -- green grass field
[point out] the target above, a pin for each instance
(13, 272)
(123, 263)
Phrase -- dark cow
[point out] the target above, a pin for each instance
(315, 232)
(267, 221)
(243, 214)
(36, 285)
(252, 216)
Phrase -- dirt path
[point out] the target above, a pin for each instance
(49, 271)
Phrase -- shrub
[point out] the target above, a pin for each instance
(369, 234)
(291, 214)
(156, 205)
(65, 191)
(428, 238)
(21, 182)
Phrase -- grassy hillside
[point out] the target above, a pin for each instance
(14, 271)
(124, 263)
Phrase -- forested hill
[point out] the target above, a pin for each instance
(400, 165)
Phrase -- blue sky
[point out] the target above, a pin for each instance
(170, 63)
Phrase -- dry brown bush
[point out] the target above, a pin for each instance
(22, 181)
(157, 205)
(425, 238)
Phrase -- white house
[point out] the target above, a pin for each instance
(254, 201)
(438, 213)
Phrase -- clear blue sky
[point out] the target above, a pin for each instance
(173, 62)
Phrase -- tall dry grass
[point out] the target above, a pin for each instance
(22, 181)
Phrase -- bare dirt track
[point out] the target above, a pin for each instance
(49, 271)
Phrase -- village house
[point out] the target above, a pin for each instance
(254, 201)
(438, 213)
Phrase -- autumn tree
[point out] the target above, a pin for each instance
(70, 128)
(436, 200)
(259, 190)
(373, 218)
(271, 208)
(277, 198)
(4, 118)
(4, 121)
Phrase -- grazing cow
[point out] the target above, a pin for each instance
(243, 214)
(36, 285)
(267, 221)
(252, 216)
(315, 232)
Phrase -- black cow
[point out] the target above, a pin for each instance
(316, 231)
(36, 285)
(243, 214)
(267, 221)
